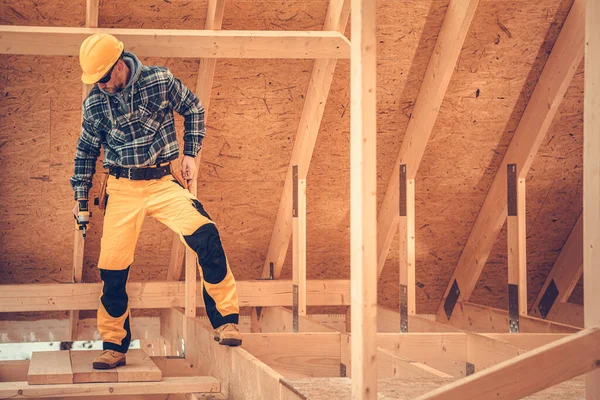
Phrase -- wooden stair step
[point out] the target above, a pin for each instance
(169, 385)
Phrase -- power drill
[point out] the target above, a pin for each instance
(83, 216)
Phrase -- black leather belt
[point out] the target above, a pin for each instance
(139, 174)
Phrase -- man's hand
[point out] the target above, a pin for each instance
(188, 170)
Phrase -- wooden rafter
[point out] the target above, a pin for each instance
(164, 294)
(308, 129)
(363, 199)
(591, 185)
(204, 83)
(562, 360)
(435, 83)
(180, 42)
(565, 274)
(539, 113)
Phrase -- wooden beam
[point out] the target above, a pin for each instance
(591, 183)
(476, 318)
(407, 249)
(234, 367)
(389, 320)
(504, 381)
(433, 89)
(389, 364)
(279, 319)
(164, 294)
(306, 137)
(363, 198)
(174, 385)
(484, 352)
(297, 355)
(179, 42)
(567, 313)
(517, 255)
(91, 21)
(204, 83)
(563, 277)
(299, 247)
(446, 352)
(527, 341)
(539, 113)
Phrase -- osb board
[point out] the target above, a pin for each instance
(252, 122)
(409, 388)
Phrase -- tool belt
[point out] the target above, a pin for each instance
(138, 174)
(135, 174)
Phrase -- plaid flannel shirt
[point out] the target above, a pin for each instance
(143, 136)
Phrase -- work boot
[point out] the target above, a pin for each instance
(228, 335)
(109, 359)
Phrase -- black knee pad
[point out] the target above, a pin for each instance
(206, 242)
(114, 295)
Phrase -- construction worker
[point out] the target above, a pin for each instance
(129, 112)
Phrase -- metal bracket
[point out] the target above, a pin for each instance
(295, 308)
(512, 189)
(402, 188)
(513, 308)
(295, 191)
(451, 299)
(469, 369)
(403, 308)
(548, 299)
(343, 370)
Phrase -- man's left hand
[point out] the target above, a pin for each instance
(188, 169)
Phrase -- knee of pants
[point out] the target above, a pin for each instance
(206, 242)
(114, 294)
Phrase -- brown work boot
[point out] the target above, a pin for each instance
(228, 335)
(109, 359)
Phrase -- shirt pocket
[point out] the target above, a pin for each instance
(152, 115)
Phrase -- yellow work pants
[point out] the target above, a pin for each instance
(128, 204)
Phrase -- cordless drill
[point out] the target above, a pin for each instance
(83, 216)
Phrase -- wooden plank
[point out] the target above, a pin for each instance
(567, 313)
(363, 198)
(279, 319)
(234, 367)
(505, 380)
(306, 137)
(527, 341)
(446, 352)
(204, 83)
(565, 273)
(191, 287)
(533, 126)
(484, 352)
(424, 114)
(83, 372)
(517, 253)
(164, 294)
(388, 321)
(174, 385)
(407, 248)
(476, 318)
(297, 355)
(389, 364)
(591, 183)
(49, 368)
(179, 42)
(139, 367)
(12, 371)
(91, 21)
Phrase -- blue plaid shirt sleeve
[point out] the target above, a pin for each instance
(187, 104)
(88, 150)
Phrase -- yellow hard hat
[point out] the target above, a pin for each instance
(97, 54)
